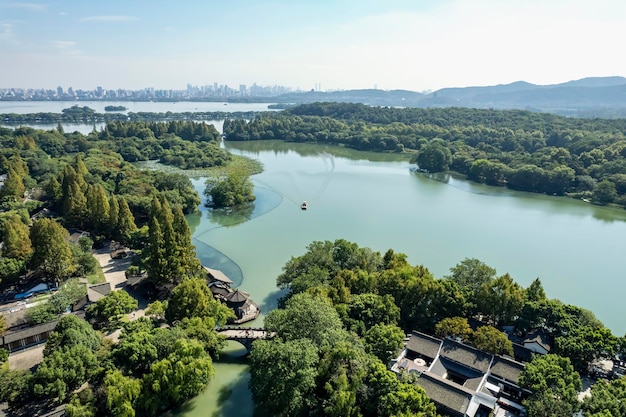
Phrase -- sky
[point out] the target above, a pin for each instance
(416, 45)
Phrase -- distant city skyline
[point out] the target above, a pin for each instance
(324, 45)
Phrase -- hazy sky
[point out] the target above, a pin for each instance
(340, 44)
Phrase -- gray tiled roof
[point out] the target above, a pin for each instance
(423, 344)
(445, 393)
(466, 355)
(29, 331)
(507, 369)
(217, 275)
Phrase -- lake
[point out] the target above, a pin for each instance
(576, 249)
(26, 107)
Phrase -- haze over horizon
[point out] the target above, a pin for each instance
(401, 44)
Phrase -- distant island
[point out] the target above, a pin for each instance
(115, 108)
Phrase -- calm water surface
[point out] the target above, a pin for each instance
(376, 201)
(576, 249)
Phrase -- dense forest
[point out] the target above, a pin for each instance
(85, 183)
(537, 152)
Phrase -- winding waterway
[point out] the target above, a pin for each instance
(576, 249)
(375, 200)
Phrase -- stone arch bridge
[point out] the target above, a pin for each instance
(245, 335)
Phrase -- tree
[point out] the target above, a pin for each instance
(52, 255)
(122, 393)
(13, 189)
(383, 340)
(72, 331)
(607, 399)
(192, 298)
(535, 291)
(109, 308)
(501, 299)
(114, 215)
(69, 293)
(366, 310)
(170, 254)
(126, 222)
(230, 190)
(73, 202)
(63, 370)
(17, 242)
(434, 157)
(307, 316)
(15, 386)
(470, 274)
(98, 209)
(492, 340)
(454, 327)
(282, 376)
(604, 193)
(135, 351)
(177, 378)
(554, 385)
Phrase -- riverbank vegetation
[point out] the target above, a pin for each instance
(57, 181)
(371, 300)
(84, 114)
(536, 152)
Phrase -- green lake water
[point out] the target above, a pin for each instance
(576, 249)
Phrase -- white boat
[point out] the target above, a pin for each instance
(304, 205)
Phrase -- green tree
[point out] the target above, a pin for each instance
(98, 208)
(535, 291)
(282, 376)
(136, 351)
(64, 370)
(306, 316)
(366, 310)
(230, 190)
(17, 242)
(70, 292)
(554, 385)
(109, 308)
(15, 386)
(13, 188)
(52, 255)
(454, 327)
(114, 215)
(607, 399)
(170, 255)
(434, 157)
(501, 299)
(383, 340)
(192, 298)
(177, 378)
(73, 202)
(470, 274)
(72, 331)
(126, 222)
(492, 340)
(122, 393)
(604, 193)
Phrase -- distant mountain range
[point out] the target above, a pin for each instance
(587, 97)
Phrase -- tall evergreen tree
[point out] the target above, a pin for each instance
(73, 201)
(114, 213)
(17, 243)
(97, 208)
(52, 255)
(190, 264)
(170, 255)
(13, 188)
(125, 221)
